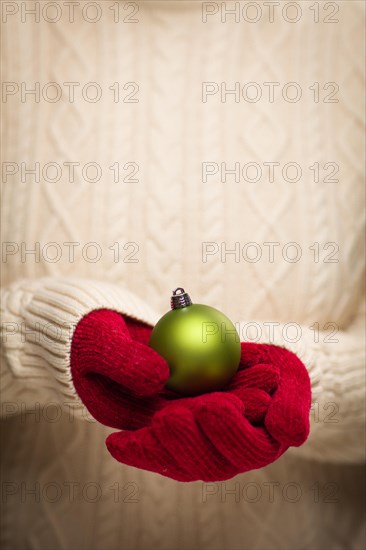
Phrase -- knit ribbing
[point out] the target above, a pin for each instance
(39, 321)
(336, 370)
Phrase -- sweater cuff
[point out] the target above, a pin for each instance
(51, 317)
(337, 377)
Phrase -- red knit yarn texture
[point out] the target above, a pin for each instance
(212, 437)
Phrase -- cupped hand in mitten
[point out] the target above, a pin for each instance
(116, 375)
(215, 436)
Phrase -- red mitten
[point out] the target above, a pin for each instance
(117, 376)
(215, 436)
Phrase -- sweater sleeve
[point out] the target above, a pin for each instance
(39, 317)
(38, 321)
(335, 360)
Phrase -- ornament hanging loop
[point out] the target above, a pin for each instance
(180, 299)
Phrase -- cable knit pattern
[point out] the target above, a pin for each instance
(169, 213)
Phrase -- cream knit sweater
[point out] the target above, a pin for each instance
(172, 220)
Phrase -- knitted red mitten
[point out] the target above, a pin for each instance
(215, 436)
(117, 376)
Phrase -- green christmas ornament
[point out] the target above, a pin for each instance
(199, 343)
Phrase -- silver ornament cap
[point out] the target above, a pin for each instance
(180, 299)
